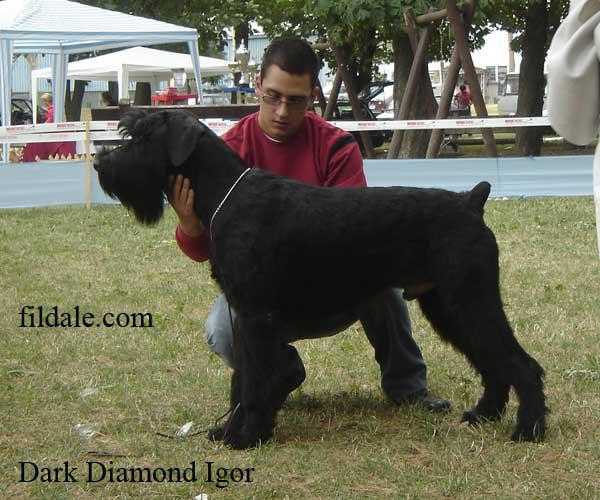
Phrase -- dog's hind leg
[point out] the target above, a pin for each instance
(492, 403)
(473, 321)
(528, 381)
(495, 348)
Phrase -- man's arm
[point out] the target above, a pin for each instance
(196, 248)
(345, 166)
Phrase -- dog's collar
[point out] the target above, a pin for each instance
(210, 228)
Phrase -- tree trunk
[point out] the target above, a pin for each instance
(410, 86)
(73, 100)
(143, 94)
(362, 66)
(414, 143)
(531, 77)
(113, 90)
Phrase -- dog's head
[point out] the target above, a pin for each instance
(155, 146)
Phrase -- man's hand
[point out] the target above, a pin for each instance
(181, 198)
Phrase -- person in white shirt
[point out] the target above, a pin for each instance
(574, 82)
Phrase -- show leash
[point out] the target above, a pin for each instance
(224, 200)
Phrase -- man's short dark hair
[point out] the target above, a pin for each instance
(292, 55)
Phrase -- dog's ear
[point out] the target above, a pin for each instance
(184, 131)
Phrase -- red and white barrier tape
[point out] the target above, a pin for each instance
(456, 123)
(108, 130)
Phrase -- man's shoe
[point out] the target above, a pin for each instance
(426, 401)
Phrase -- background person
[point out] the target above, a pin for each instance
(47, 108)
(43, 150)
(574, 82)
(462, 101)
(107, 99)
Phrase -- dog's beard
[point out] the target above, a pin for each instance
(145, 200)
(147, 211)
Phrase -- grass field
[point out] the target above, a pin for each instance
(337, 436)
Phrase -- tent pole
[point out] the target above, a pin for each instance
(88, 166)
(123, 82)
(59, 85)
(6, 89)
(34, 97)
(193, 47)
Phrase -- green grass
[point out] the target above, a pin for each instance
(337, 437)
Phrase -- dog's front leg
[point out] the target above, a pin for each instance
(257, 349)
(235, 414)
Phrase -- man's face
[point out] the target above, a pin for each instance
(284, 99)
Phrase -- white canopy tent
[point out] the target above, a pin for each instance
(63, 27)
(140, 64)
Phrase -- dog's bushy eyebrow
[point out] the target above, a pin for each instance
(137, 124)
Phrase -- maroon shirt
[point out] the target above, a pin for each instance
(318, 154)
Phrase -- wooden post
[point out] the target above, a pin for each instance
(413, 36)
(470, 73)
(321, 97)
(333, 96)
(435, 141)
(88, 165)
(410, 90)
(431, 17)
(342, 69)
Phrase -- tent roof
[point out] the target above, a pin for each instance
(53, 25)
(142, 63)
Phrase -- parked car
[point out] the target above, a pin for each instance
(507, 101)
(21, 112)
(344, 113)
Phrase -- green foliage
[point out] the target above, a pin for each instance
(208, 17)
(366, 26)
(510, 15)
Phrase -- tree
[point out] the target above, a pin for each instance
(535, 22)
(208, 17)
(359, 34)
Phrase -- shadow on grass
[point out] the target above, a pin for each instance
(347, 416)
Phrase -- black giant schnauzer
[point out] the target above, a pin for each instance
(287, 255)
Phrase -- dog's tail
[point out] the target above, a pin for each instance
(477, 197)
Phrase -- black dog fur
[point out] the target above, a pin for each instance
(287, 255)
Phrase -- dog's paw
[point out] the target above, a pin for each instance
(530, 432)
(471, 417)
(242, 441)
(476, 416)
(249, 436)
(216, 433)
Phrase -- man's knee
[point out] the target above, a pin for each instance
(218, 330)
